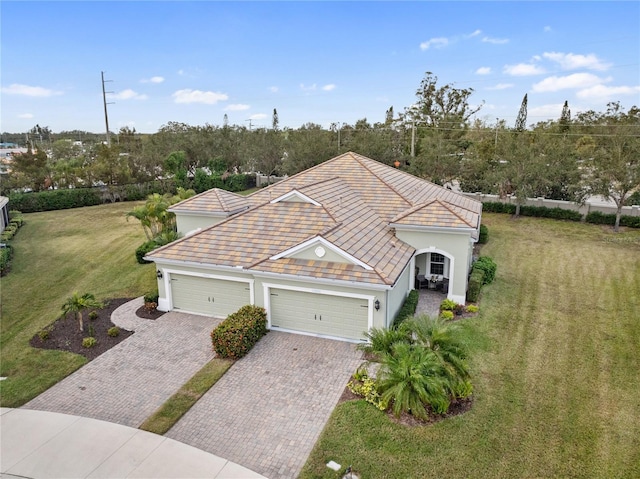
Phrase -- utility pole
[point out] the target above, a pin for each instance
(104, 101)
(249, 120)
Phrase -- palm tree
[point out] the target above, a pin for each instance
(381, 340)
(445, 340)
(410, 377)
(77, 304)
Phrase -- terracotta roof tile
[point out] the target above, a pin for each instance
(359, 198)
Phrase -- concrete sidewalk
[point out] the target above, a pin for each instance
(39, 444)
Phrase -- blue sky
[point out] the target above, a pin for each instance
(320, 62)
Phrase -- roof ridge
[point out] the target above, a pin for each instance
(442, 202)
(413, 209)
(361, 163)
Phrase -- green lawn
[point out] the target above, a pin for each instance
(89, 250)
(556, 367)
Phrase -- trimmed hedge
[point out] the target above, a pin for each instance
(61, 199)
(598, 218)
(408, 308)
(483, 237)
(476, 280)
(536, 211)
(488, 266)
(235, 336)
(6, 253)
(55, 199)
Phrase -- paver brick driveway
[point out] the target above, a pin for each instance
(126, 384)
(268, 410)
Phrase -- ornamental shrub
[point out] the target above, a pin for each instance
(239, 332)
(472, 308)
(476, 280)
(486, 264)
(446, 315)
(113, 332)
(367, 388)
(143, 249)
(448, 305)
(89, 342)
(151, 297)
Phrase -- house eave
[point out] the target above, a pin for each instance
(311, 280)
(265, 274)
(435, 229)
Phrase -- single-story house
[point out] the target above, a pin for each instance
(331, 251)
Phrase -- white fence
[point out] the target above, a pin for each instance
(583, 209)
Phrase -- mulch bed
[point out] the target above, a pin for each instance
(406, 419)
(65, 334)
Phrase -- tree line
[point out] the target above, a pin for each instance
(438, 138)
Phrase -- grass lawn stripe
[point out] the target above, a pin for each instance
(555, 369)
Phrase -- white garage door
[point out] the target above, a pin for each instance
(213, 297)
(319, 313)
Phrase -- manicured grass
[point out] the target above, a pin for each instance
(178, 404)
(88, 250)
(555, 369)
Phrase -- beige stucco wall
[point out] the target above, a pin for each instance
(396, 297)
(454, 245)
(258, 282)
(309, 253)
(188, 223)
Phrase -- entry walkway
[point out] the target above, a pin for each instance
(38, 444)
(429, 302)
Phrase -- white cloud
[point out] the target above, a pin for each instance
(25, 115)
(307, 88)
(438, 42)
(474, 34)
(571, 61)
(181, 72)
(547, 28)
(483, 71)
(273, 89)
(501, 86)
(552, 110)
(156, 79)
(198, 96)
(603, 92)
(495, 41)
(237, 107)
(576, 80)
(128, 94)
(258, 116)
(26, 90)
(523, 69)
(329, 87)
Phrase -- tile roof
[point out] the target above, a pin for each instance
(214, 201)
(359, 198)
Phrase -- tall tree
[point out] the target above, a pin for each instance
(565, 118)
(441, 115)
(612, 153)
(521, 119)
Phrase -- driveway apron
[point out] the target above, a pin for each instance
(126, 384)
(268, 410)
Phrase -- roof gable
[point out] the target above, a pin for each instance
(437, 213)
(319, 249)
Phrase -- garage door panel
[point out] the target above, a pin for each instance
(213, 297)
(319, 313)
